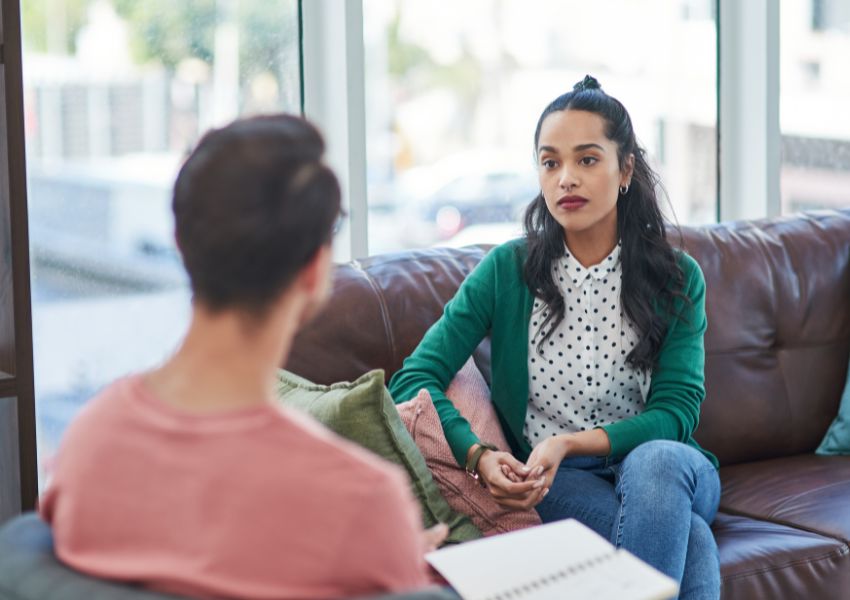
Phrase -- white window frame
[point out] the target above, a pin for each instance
(335, 99)
(748, 112)
(748, 107)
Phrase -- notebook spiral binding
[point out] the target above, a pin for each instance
(523, 590)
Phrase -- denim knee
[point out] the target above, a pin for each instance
(663, 469)
(658, 458)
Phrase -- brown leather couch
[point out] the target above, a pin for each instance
(777, 348)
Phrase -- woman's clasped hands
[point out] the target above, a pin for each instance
(517, 485)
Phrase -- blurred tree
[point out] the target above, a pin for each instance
(413, 71)
(168, 31)
(404, 58)
(52, 25)
(268, 31)
(413, 68)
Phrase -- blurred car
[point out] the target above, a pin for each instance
(484, 234)
(430, 204)
(479, 198)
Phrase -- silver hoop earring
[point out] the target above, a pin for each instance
(624, 189)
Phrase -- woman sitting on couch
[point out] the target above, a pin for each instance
(187, 478)
(596, 325)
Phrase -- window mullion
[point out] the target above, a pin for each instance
(334, 99)
(749, 109)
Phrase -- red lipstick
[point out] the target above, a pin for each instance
(572, 202)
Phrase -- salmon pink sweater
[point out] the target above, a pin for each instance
(255, 503)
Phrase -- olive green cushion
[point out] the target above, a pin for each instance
(363, 412)
(837, 438)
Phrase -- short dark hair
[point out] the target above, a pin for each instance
(253, 204)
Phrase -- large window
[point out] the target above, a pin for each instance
(116, 93)
(814, 100)
(453, 96)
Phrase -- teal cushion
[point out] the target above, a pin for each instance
(363, 411)
(837, 438)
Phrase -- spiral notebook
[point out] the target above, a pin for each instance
(558, 561)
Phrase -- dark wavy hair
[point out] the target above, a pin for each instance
(652, 276)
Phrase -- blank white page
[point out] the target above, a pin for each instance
(556, 561)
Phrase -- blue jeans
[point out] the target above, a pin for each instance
(657, 503)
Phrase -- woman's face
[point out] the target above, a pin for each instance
(580, 174)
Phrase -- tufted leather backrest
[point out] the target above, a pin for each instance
(778, 338)
(777, 345)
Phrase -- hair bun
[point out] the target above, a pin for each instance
(588, 83)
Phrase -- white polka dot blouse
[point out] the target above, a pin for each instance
(578, 379)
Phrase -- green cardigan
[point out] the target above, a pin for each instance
(495, 300)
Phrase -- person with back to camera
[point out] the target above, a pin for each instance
(188, 478)
(596, 327)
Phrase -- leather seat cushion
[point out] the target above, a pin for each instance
(806, 492)
(761, 559)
